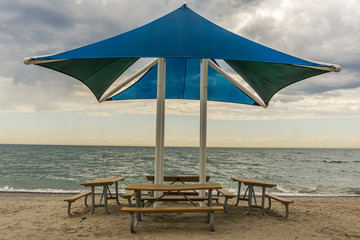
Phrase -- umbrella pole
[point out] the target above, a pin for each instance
(203, 122)
(160, 123)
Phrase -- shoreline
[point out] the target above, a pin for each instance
(257, 194)
(44, 216)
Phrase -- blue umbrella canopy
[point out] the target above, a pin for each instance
(183, 37)
(183, 82)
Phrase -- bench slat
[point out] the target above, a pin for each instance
(226, 193)
(77, 196)
(172, 209)
(128, 194)
(280, 199)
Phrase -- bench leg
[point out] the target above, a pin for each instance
(85, 201)
(225, 204)
(129, 201)
(287, 210)
(269, 203)
(133, 222)
(68, 209)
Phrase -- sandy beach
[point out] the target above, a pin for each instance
(44, 216)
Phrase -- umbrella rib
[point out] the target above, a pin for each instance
(121, 85)
(332, 68)
(237, 84)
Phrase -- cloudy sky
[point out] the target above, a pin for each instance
(40, 106)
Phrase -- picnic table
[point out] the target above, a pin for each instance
(167, 189)
(251, 183)
(104, 182)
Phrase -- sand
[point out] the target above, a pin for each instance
(44, 216)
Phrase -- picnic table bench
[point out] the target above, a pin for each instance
(166, 188)
(227, 195)
(128, 195)
(284, 201)
(73, 198)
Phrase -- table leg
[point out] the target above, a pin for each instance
(105, 193)
(251, 192)
(117, 193)
(92, 199)
(238, 194)
(263, 201)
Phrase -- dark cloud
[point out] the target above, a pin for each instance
(44, 14)
(307, 29)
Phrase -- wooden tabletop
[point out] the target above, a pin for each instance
(179, 178)
(253, 182)
(173, 187)
(102, 181)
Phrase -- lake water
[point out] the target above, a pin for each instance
(43, 168)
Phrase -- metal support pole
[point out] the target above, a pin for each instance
(105, 194)
(238, 194)
(160, 125)
(92, 199)
(203, 123)
(263, 201)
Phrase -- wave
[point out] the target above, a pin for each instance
(326, 161)
(48, 190)
(310, 191)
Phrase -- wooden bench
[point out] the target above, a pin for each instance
(73, 198)
(132, 210)
(227, 195)
(284, 201)
(128, 195)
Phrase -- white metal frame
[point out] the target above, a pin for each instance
(237, 84)
(123, 84)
